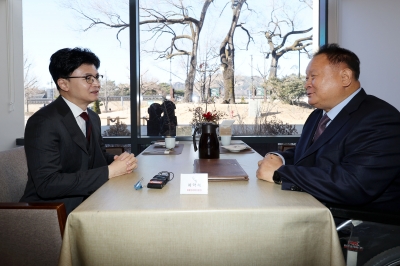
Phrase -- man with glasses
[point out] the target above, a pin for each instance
(64, 148)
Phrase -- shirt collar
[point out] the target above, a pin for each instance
(336, 110)
(76, 110)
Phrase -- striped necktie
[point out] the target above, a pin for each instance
(321, 126)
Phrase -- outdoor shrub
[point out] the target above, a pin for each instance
(119, 129)
(96, 107)
(289, 89)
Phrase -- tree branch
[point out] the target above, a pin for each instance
(248, 35)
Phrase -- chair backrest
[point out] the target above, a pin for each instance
(115, 150)
(30, 236)
(13, 174)
(30, 233)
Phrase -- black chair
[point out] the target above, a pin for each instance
(115, 150)
(368, 237)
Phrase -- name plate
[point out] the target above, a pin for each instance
(194, 183)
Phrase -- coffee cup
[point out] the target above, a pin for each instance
(226, 140)
(170, 142)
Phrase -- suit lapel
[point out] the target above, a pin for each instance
(332, 130)
(334, 127)
(70, 123)
(96, 126)
(94, 119)
(307, 134)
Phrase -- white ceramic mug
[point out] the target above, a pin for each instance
(226, 140)
(170, 142)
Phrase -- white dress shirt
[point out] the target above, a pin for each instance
(76, 111)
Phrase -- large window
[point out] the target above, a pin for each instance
(160, 54)
(243, 59)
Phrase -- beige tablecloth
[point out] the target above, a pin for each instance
(238, 223)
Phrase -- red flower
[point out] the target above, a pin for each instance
(200, 117)
(208, 116)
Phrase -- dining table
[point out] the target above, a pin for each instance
(241, 222)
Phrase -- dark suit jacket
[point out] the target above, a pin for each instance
(356, 160)
(61, 166)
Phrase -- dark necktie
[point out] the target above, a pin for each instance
(321, 126)
(85, 117)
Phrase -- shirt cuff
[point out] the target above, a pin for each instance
(280, 156)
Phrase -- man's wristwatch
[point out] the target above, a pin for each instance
(277, 178)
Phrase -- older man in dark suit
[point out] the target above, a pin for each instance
(356, 159)
(66, 156)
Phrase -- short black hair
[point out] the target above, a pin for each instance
(65, 61)
(337, 55)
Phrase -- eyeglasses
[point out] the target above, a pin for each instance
(89, 78)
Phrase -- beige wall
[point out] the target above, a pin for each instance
(11, 73)
(370, 29)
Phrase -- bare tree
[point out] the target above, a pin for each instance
(182, 26)
(227, 52)
(264, 77)
(149, 86)
(206, 72)
(277, 37)
(207, 75)
(30, 82)
(123, 89)
(309, 3)
(102, 13)
(109, 88)
(163, 25)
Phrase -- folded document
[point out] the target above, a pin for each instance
(220, 169)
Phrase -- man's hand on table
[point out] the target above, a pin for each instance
(122, 164)
(267, 167)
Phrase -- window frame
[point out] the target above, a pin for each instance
(136, 140)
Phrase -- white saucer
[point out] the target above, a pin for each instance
(235, 148)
